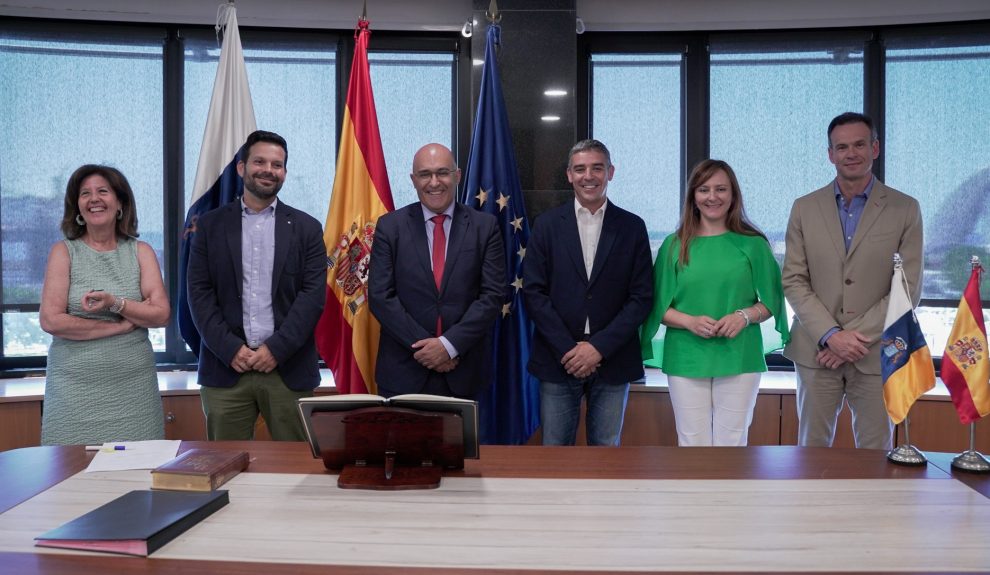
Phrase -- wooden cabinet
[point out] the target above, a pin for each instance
(934, 424)
(765, 429)
(649, 421)
(935, 427)
(184, 417)
(20, 424)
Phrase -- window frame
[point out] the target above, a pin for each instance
(81, 31)
(696, 81)
(172, 38)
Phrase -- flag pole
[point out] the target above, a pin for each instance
(492, 13)
(971, 459)
(509, 408)
(905, 454)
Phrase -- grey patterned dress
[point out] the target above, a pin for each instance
(105, 389)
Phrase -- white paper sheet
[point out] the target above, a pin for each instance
(134, 455)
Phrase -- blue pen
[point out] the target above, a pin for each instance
(119, 447)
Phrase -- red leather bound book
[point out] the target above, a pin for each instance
(199, 470)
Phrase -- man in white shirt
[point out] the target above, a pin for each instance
(588, 285)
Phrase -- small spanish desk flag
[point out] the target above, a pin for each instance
(965, 366)
(905, 362)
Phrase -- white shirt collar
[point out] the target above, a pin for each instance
(246, 209)
(578, 208)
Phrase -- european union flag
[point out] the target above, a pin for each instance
(510, 410)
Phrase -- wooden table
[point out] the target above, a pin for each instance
(27, 472)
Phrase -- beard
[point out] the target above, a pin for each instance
(260, 192)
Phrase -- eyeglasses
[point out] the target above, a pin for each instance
(441, 174)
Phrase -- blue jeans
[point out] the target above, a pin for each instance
(560, 410)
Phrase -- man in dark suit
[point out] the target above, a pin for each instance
(588, 285)
(436, 284)
(257, 284)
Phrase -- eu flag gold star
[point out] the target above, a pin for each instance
(482, 196)
(506, 309)
(521, 252)
(517, 223)
(518, 283)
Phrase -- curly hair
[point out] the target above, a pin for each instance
(127, 224)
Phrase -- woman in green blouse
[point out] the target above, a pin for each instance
(716, 282)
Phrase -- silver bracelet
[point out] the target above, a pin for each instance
(759, 311)
(118, 305)
(745, 315)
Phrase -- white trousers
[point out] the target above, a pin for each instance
(715, 410)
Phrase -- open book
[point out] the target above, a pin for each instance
(465, 410)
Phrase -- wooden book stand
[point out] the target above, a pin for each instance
(389, 448)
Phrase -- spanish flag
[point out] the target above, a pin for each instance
(905, 362)
(965, 367)
(347, 333)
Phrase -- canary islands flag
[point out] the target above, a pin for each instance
(510, 407)
(347, 333)
(905, 362)
(965, 367)
(228, 124)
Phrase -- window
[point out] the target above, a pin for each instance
(90, 95)
(636, 112)
(81, 93)
(771, 102)
(937, 149)
(767, 99)
(293, 90)
(414, 102)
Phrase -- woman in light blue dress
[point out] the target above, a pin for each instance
(103, 290)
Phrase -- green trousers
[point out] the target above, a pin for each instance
(231, 412)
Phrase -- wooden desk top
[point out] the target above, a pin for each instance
(26, 472)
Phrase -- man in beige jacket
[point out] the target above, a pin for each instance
(840, 245)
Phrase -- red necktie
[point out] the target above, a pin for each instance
(439, 253)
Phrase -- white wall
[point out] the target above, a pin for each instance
(630, 15)
(598, 15)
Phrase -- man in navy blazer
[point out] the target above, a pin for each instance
(257, 285)
(588, 285)
(435, 338)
